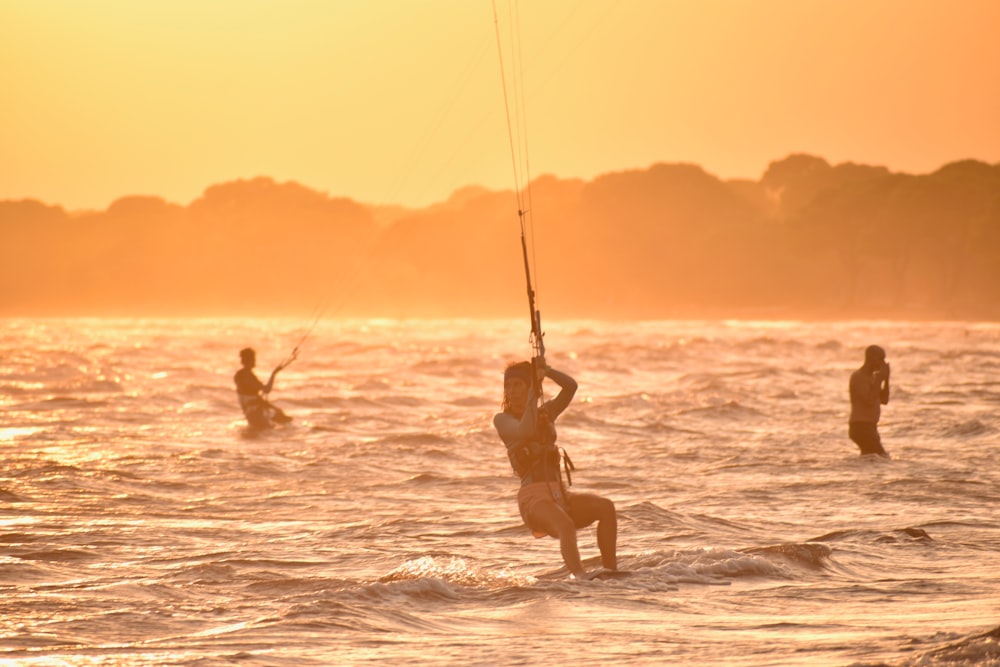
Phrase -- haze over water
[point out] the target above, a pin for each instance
(142, 526)
(821, 161)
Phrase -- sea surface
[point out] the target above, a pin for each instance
(142, 524)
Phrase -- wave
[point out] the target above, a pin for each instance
(55, 555)
(665, 569)
(731, 409)
(972, 650)
(452, 577)
(427, 478)
(966, 429)
(319, 615)
(414, 441)
(10, 497)
(650, 518)
(318, 399)
(808, 554)
(22, 574)
(707, 566)
(908, 534)
(437, 577)
(447, 368)
(58, 403)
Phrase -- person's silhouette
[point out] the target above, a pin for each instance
(260, 413)
(869, 389)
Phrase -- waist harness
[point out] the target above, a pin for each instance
(540, 457)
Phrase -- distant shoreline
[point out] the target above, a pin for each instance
(808, 241)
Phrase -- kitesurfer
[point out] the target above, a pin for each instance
(260, 413)
(546, 505)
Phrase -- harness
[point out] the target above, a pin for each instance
(256, 411)
(540, 457)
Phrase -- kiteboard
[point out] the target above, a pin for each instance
(604, 574)
(600, 574)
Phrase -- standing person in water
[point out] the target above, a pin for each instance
(546, 505)
(260, 413)
(869, 392)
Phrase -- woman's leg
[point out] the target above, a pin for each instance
(585, 509)
(548, 516)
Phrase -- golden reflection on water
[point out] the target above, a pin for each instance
(384, 512)
(13, 433)
(71, 454)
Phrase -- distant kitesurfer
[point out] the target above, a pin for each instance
(260, 413)
(869, 389)
(546, 505)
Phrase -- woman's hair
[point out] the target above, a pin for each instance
(515, 369)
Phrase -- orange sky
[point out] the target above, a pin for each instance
(400, 101)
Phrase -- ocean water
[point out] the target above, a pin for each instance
(141, 523)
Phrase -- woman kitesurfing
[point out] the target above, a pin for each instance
(526, 424)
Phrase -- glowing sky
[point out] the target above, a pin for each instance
(400, 101)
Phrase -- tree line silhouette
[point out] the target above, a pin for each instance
(807, 240)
